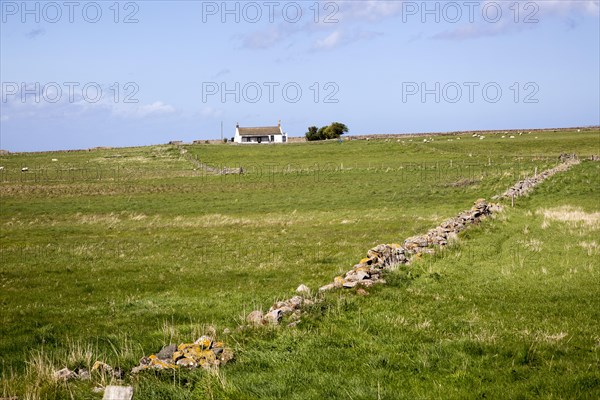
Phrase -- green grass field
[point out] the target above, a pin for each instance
(110, 254)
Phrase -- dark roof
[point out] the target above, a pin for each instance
(260, 131)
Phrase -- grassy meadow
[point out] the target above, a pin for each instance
(111, 254)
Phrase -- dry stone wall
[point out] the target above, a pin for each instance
(369, 270)
(208, 353)
(384, 256)
(523, 187)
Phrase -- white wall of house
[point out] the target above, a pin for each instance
(281, 138)
(237, 138)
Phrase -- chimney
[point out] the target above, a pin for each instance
(237, 125)
(279, 124)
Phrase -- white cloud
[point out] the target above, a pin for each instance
(50, 103)
(524, 16)
(372, 10)
(347, 13)
(332, 40)
(340, 38)
(263, 39)
(566, 7)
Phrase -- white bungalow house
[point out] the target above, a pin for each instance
(261, 134)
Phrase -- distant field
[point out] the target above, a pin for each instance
(120, 251)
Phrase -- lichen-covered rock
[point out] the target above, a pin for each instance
(187, 362)
(295, 302)
(273, 317)
(328, 287)
(83, 374)
(166, 353)
(207, 359)
(204, 352)
(303, 289)
(65, 374)
(255, 318)
(157, 363)
(226, 356)
(286, 310)
(205, 342)
(104, 368)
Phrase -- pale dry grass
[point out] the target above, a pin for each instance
(543, 336)
(423, 325)
(592, 247)
(202, 221)
(396, 320)
(574, 216)
(484, 336)
(98, 219)
(553, 337)
(533, 245)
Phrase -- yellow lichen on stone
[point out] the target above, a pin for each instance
(186, 362)
(156, 362)
(338, 280)
(194, 350)
(204, 342)
(102, 367)
(206, 357)
(183, 346)
(204, 353)
(364, 260)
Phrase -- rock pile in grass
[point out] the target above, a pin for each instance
(564, 157)
(523, 187)
(83, 374)
(204, 353)
(290, 308)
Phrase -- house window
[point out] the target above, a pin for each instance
(283, 139)
(272, 138)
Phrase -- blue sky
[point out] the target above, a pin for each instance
(83, 74)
